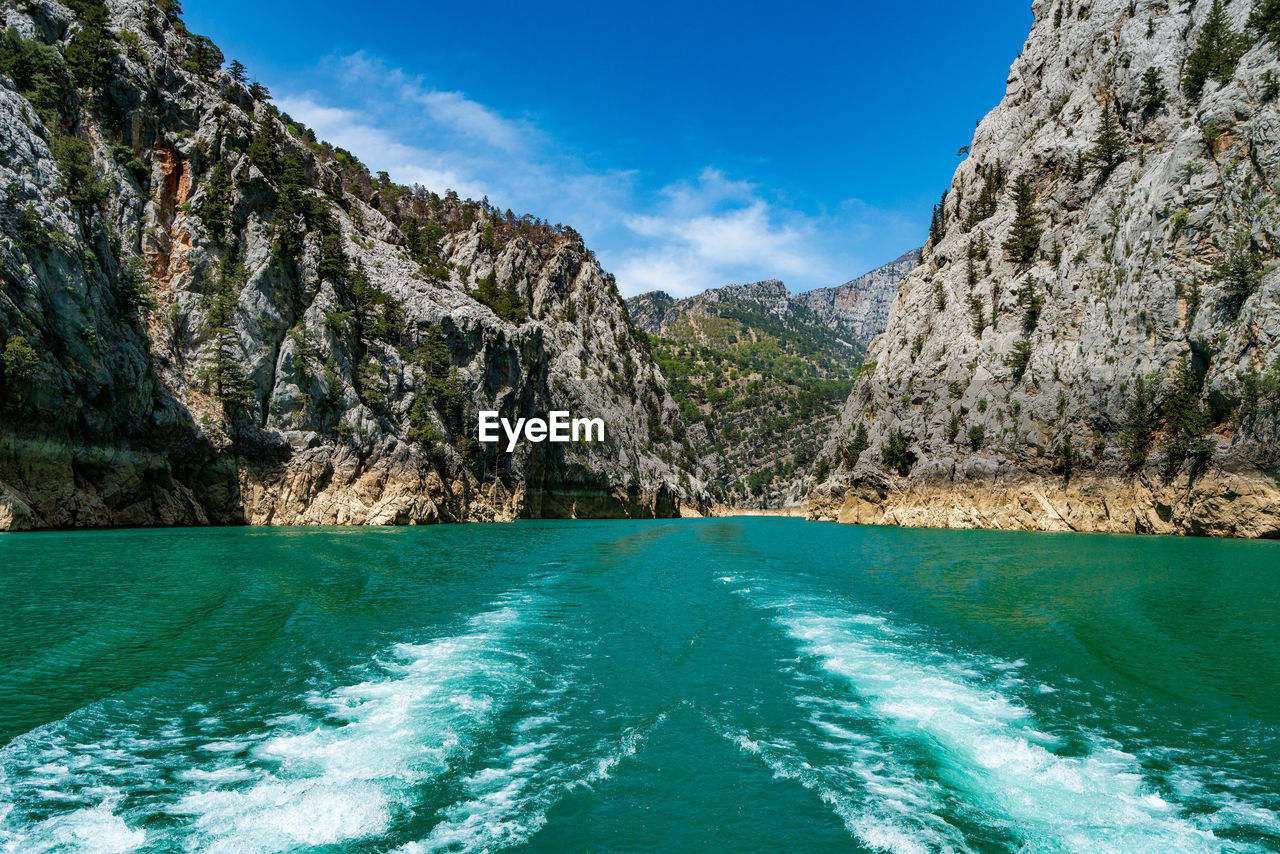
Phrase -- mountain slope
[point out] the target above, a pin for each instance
(1091, 341)
(759, 374)
(209, 316)
(858, 310)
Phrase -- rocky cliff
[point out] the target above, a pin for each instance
(760, 374)
(859, 309)
(207, 315)
(1091, 341)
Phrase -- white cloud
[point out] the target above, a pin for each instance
(453, 111)
(349, 129)
(706, 232)
(682, 237)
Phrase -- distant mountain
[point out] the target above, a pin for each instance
(760, 373)
(859, 309)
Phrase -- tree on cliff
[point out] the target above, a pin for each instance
(221, 371)
(1265, 19)
(938, 221)
(1186, 421)
(1139, 428)
(1024, 236)
(1108, 148)
(1152, 93)
(1215, 54)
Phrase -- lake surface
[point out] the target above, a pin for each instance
(747, 684)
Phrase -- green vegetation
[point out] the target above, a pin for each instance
(1264, 21)
(221, 371)
(505, 301)
(441, 386)
(978, 311)
(1186, 421)
(91, 51)
(1030, 302)
(1239, 268)
(938, 221)
(855, 448)
(766, 388)
(204, 59)
(896, 454)
(80, 180)
(977, 437)
(38, 72)
(1215, 55)
(1140, 424)
(1019, 358)
(1109, 146)
(1024, 235)
(1152, 94)
(215, 210)
(993, 181)
(1257, 389)
(20, 360)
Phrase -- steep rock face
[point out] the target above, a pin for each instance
(1005, 390)
(209, 316)
(760, 374)
(859, 309)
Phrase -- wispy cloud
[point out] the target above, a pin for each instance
(682, 236)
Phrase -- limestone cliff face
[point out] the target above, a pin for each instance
(1005, 390)
(859, 309)
(208, 316)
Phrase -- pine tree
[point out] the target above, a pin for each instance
(1240, 267)
(1139, 427)
(896, 454)
(859, 444)
(1152, 93)
(1186, 421)
(938, 222)
(91, 51)
(221, 370)
(1108, 148)
(215, 210)
(1265, 19)
(1024, 235)
(1215, 54)
(237, 69)
(205, 57)
(258, 92)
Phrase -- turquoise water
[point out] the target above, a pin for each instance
(691, 685)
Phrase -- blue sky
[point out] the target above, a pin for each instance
(693, 145)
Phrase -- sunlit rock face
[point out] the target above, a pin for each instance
(1146, 249)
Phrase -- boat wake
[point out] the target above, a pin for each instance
(354, 762)
(919, 750)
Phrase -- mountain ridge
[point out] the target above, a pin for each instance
(759, 374)
(208, 315)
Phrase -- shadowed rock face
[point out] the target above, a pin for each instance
(1008, 369)
(230, 322)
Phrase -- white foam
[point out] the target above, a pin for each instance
(92, 830)
(507, 803)
(986, 742)
(345, 771)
